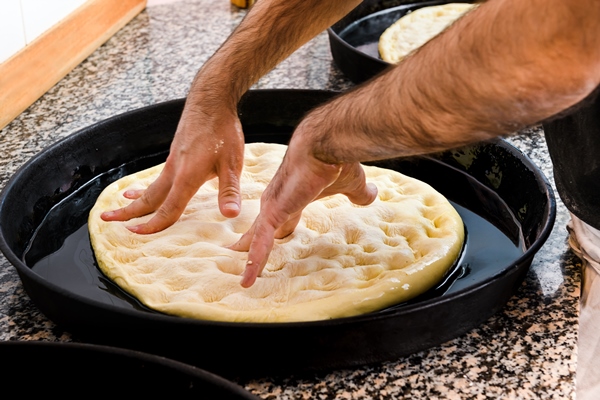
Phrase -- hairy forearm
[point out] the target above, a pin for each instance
(270, 32)
(506, 65)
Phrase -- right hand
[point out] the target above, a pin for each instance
(300, 179)
(204, 147)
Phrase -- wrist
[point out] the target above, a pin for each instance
(215, 86)
(309, 138)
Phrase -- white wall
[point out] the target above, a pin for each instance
(21, 21)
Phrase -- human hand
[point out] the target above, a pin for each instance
(205, 146)
(300, 179)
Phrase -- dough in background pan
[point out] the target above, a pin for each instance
(416, 28)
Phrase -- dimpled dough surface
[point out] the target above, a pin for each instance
(341, 260)
(416, 28)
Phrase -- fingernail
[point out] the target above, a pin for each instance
(134, 229)
(231, 206)
(108, 214)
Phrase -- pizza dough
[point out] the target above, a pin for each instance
(416, 28)
(342, 259)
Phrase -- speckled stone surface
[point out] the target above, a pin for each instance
(526, 351)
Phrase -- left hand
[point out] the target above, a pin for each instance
(300, 179)
(203, 148)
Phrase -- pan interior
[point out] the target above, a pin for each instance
(60, 251)
(363, 34)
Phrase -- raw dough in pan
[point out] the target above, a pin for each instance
(342, 260)
(416, 28)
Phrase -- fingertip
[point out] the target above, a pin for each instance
(108, 215)
(144, 229)
(243, 244)
(230, 198)
(373, 191)
(135, 228)
(364, 197)
(230, 209)
(132, 194)
(247, 282)
(249, 275)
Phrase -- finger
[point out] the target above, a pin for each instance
(171, 209)
(244, 243)
(229, 194)
(148, 202)
(353, 184)
(289, 227)
(260, 248)
(133, 193)
(363, 196)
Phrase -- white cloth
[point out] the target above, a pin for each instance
(585, 242)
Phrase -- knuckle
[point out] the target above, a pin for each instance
(229, 191)
(167, 215)
(146, 199)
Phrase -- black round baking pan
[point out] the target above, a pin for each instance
(79, 370)
(354, 39)
(506, 203)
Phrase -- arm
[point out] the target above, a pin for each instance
(271, 31)
(209, 141)
(502, 67)
(506, 65)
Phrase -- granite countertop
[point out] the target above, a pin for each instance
(526, 351)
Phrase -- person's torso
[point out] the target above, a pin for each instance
(574, 145)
